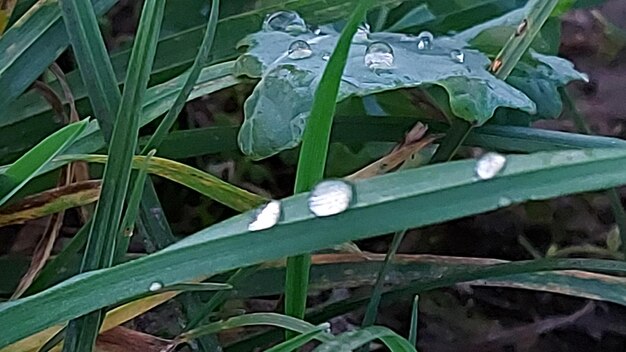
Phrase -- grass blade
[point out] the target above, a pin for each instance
(314, 151)
(93, 61)
(352, 340)
(254, 319)
(82, 332)
(29, 165)
(377, 291)
(300, 340)
(414, 328)
(537, 176)
(202, 59)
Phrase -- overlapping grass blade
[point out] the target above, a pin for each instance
(31, 45)
(93, 61)
(537, 176)
(352, 340)
(300, 340)
(81, 333)
(254, 319)
(202, 59)
(314, 150)
(29, 165)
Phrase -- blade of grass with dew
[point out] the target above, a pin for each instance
(537, 176)
(314, 152)
(377, 291)
(201, 60)
(30, 164)
(82, 332)
(501, 67)
(93, 61)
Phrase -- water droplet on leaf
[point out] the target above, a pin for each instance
(266, 216)
(330, 197)
(285, 21)
(299, 50)
(155, 286)
(504, 201)
(425, 41)
(326, 57)
(489, 165)
(457, 56)
(379, 55)
(362, 33)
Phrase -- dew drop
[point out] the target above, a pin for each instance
(326, 56)
(504, 201)
(362, 33)
(457, 56)
(299, 50)
(266, 216)
(489, 165)
(285, 21)
(425, 41)
(379, 55)
(330, 197)
(155, 286)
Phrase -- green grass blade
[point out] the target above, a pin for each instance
(314, 151)
(538, 176)
(31, 45)
(127, 227)
(93, 61)
(202, 59)
(352, 340)
(193, 178)
(377, 291)
(33, 162)
(300, 340)
(82, 332)
(254, 319)
(414, 328)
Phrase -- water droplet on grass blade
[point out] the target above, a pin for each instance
(504, 201)
(326, 56)
(299, 50)
(425, 41)
(285, 21)
(155, 286)
(457, 56)
(489, 165)
(266, 216)
(379, 55)
(330, 197)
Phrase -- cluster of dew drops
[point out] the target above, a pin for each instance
(332, 197)
(379, 55)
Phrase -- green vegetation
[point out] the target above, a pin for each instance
(432, 104)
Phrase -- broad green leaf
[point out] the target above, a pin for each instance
(40, 37)
(277, 110)
(537, 176)
(25, 168)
